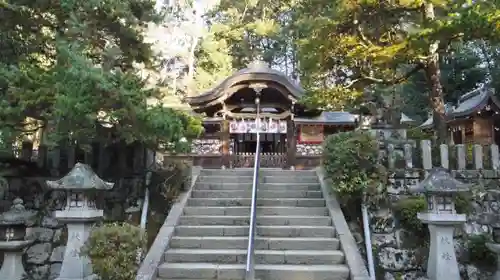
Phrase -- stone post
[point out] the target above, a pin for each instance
(79, 213)
(12, 240)
(439, 188)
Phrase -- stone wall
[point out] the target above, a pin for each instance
(206, 147)
(309, 149)
(401, 253)
(42, 259)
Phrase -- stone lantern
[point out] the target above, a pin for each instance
(81, 185)
(12, 239)
(439, 189)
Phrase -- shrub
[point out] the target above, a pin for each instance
(477, 251)
(112, 250)
(350, 160)
(406, 209)
(463, 203)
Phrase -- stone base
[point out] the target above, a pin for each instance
(442, 262)
(75, 266)
(12, 267)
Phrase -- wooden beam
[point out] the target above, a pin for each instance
(283, 115)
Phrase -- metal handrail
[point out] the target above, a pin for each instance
(250, 270)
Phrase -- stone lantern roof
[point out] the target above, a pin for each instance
(440, 181)
(17, 215)
(81, 177)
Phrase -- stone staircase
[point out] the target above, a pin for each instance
(295, 239)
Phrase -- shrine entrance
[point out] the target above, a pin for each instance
(254, 93)
(272, 143)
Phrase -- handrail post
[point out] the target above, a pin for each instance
(250, 269)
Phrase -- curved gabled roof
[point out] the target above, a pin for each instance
(256, 71)
(474, 101)
(468, 103)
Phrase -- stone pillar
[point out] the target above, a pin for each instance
(103, 159)
(55, 160)
(224, 134)
(26, 150)
(291, 140)
(442, 262)
(138, 161)
(42, 148)
(71, 155)
(80, 213)
(42, 156)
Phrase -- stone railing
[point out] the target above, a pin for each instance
(396, 252)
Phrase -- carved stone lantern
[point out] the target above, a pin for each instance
(439, 189)
(12, 239)
(81, 185)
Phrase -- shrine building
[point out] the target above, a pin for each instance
(475, 119)
(291, 134)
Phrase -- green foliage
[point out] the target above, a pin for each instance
(462, 203)
(351, 45)
(350, 160)
(71, 93)
(461, 72)
(253, 29)
(405, 211)
(419, 134)
(478, 253)
(64, 62)
(112, 249)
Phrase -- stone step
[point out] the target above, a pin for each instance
(261, 194)
(262, 172)
(261, 243)
(202, 185)
(233, 178)
(226, 179)
(262, 271)
(261, 256)
(227, 172)
(261, 220)
(290, 179)
(266, 211)
(299, 202)
(263, 231)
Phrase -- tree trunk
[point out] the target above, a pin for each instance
(433, 75)
(437, 102)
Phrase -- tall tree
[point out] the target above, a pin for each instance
(349, 45)
(255, 30)
(69, 62)
(462, 70)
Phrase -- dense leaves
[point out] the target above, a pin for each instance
(350, 159)
(385, 42)
(70, 67)
(426, 52)
(113, 250)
